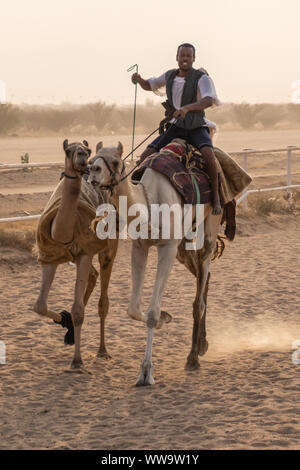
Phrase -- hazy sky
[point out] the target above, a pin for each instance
(70, 50)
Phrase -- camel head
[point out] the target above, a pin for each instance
(77, 155)
(106, 167)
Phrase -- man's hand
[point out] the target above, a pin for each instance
(181, 112)
(197, 106)
(136, 78)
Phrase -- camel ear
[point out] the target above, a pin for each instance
(120, 148)
(99, 146)
(85, 143)
(65, 144)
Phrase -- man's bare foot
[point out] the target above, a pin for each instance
(217, 207)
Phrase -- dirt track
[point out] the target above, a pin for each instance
(246, 394)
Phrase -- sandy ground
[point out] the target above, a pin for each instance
(246, 393)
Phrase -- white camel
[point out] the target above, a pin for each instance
(107, 171)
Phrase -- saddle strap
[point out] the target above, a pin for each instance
(197, 188)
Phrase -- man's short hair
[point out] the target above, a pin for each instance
(186, 44)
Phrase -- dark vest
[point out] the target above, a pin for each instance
(192, 119)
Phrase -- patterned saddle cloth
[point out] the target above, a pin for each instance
(184, 168)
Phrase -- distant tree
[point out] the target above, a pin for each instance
(220, 114)
(101, 113)
(244, 114)
(57, 120)
(9, 118)
(269, 115)
(293, 112)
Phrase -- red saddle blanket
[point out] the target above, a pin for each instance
(184, 169)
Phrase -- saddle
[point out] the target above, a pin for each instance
(185, 168)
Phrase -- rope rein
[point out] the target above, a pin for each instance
(162, 123)
(159, 128)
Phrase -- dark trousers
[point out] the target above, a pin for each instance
(198, 137)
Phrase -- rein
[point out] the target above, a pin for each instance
(162, 123)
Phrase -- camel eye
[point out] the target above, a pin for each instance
(115, 164)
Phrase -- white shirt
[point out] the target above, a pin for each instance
(206, 88)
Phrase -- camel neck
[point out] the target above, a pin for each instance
(133, 192)
(71, 187)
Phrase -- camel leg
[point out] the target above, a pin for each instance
(106, 263)
(203, 344)
(145, 377)
(63, 318)
(40, 306)
(199, 343)
(166, 257)
(93, 276)
(83, 271)
(139, 255)
(198, 315)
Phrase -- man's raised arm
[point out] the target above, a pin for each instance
(143, 83)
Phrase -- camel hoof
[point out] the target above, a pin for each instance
(78, 368)
(165, 317)
(66, 322)
(143, 381)
(203, 347)
(145, 377)
(103, 355)
(192, 364)
(137, 316)
(133, 316)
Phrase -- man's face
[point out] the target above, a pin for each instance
(185, 58)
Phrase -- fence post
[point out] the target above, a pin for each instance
(289, 175)
(245, 166)
(2, 353)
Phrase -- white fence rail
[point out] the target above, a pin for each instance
(14, 166)
(289, 184)
(243, 198)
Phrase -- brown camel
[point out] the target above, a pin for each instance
(64, 235)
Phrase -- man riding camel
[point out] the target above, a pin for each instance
(189, 92)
